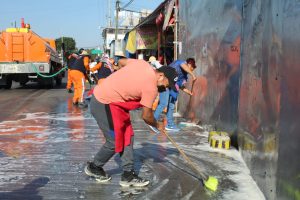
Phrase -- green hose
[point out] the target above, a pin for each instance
(48, 76)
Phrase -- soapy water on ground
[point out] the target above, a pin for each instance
(56, 146)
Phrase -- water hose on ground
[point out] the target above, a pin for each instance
(48, 76)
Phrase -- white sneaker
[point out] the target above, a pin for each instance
(97, 172)
(131, 179)
(155, 130)
(172, 128)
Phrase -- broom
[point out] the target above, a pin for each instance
(190, 101)
(209, 182)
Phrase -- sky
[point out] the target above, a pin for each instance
(81, 20)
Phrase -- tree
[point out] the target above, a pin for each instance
(70, 44)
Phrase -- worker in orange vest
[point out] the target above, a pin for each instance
(77, 73)
(71, 58)
(103, 69)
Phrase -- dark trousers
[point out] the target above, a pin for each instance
(101, 112)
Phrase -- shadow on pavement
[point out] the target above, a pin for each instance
(29, 191)
(148, 151)
(34, 85)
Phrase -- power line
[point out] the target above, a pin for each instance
(89, 47)
(127, 4)
(131, 10)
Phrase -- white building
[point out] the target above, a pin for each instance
(127, 21)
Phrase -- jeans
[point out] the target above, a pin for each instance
(165, 100)
(101, 112)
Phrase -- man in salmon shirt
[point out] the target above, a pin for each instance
(134, 85)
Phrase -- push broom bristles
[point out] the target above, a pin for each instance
(209, 182)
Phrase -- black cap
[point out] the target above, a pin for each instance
(80, 50)
(171, 75)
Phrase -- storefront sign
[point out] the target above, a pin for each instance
(146, 38)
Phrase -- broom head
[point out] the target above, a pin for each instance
(211, 183)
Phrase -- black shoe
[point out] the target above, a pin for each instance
(70, 91)
(82, 105)
(131, 179)
(92, 170)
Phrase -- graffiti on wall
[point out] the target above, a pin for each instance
(247, 53)
(214, 42)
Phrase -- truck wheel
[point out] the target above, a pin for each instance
(23, 83)
(8, 83)
(58, 81)
(50, 83)
(45, 83)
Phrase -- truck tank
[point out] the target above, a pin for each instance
(23, 53)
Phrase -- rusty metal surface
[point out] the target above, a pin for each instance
(210, 32)
(269, 96)
(248, 77)
(289, 138)
(259, 101)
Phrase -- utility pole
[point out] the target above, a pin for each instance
(109, 13)
(117, 19)
(176, 32)
(62, 50)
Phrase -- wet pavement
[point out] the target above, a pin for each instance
(45, 142)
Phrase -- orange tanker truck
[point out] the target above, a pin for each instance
(25, 56)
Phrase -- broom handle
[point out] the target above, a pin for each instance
(189, 104)
(193, 85)
(185, 156)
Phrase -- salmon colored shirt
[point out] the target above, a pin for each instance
(134, 82)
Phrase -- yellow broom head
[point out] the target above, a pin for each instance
(211, 183)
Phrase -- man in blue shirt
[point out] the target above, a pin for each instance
(168, 97)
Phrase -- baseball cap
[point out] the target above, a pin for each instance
(80, 50)
(171, 75)
(84, 53)
(151, 59)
